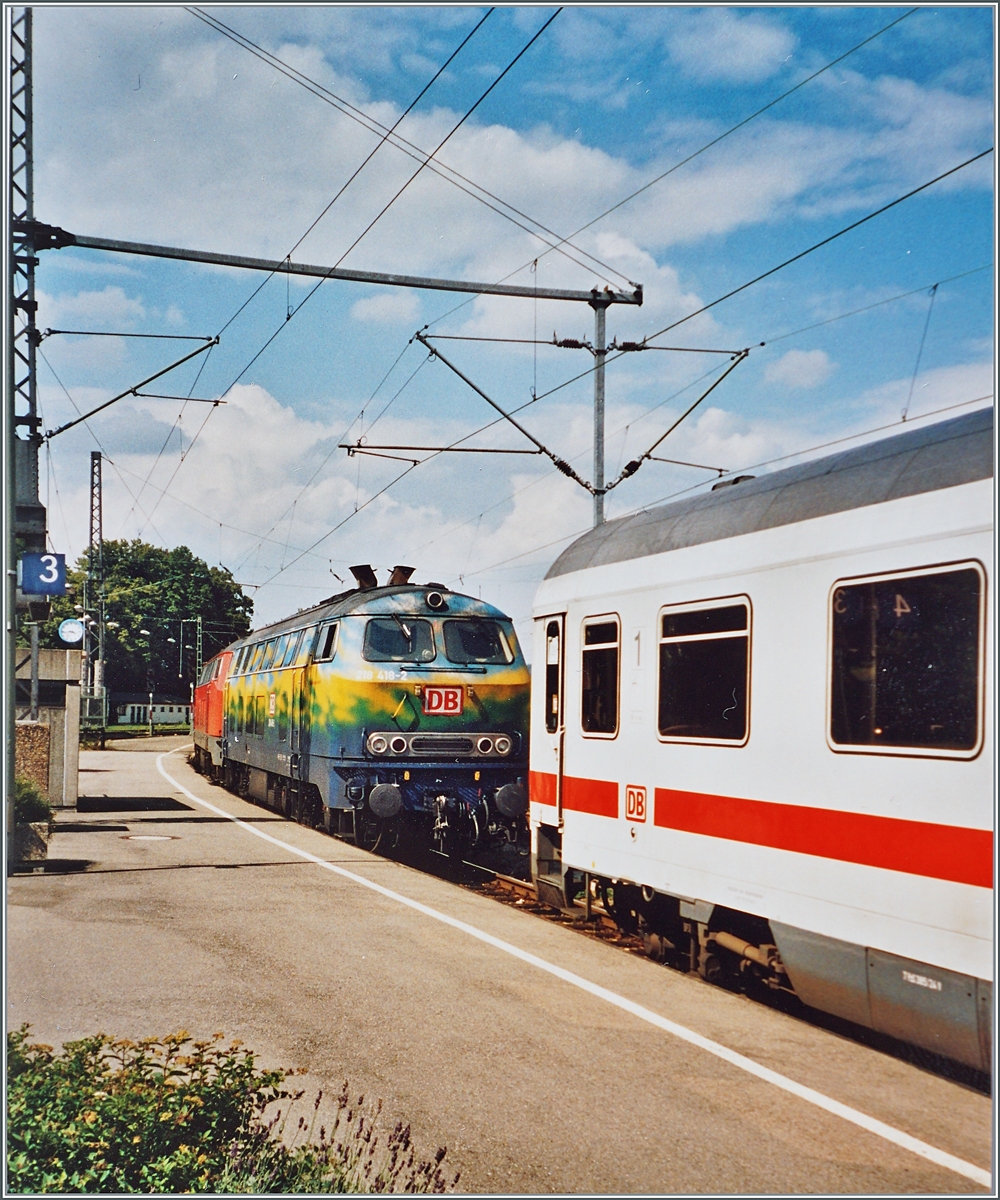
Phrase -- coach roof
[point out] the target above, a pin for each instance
(920, 460)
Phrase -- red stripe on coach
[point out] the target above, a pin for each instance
(915, 847)
(542, 788)
(595, 796)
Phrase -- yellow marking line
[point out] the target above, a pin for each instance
(871, 1124)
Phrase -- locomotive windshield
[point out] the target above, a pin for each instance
(476, 641)
(398, 639)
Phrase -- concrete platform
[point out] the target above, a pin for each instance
(167, 914)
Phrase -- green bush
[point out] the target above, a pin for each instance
(177, 1115)
(29, 803)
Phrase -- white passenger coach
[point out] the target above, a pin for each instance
(762, 732)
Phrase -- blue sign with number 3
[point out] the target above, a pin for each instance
(42, 574)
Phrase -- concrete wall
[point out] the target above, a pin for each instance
(59, 709)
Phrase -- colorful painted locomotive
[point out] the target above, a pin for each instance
(388, 715)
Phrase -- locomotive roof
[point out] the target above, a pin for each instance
(407, 599)
(921, 460)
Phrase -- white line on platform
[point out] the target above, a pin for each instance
(890, 1134)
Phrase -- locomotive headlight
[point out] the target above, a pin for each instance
(398, 745)
(503, 745)
(484, 745)
(377, 744)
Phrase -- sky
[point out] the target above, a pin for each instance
(152, 126)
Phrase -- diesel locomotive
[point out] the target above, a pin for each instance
(392, 716)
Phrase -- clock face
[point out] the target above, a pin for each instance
(71, 630)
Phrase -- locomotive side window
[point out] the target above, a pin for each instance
(704, 669)
(258, 654)
(552, 673)
(269, 649)
(292, 649)
(279, 653)
(327, 642)
(600, 676)
(905, 667)
(398, 639)
(305, 646)
(476, 641)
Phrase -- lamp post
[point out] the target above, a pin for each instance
(149, 677)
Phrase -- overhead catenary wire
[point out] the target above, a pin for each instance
(51, 433)
(289, 313)
(215, 23)
(89, 429)
(920, 351)
(752, 466)
(780, 267)
(708, 145)
(411, 150)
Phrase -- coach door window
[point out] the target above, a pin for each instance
(553, 665)
(906, 668)
(704, 671)
(600, 676)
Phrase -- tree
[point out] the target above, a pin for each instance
(147, 588)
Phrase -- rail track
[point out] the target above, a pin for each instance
(594, 922)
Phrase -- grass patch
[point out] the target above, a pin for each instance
(30, 806)
(177, 1115)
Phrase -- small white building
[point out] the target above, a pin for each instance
(134, 709)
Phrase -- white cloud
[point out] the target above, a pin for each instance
(718, 43)
(800, 369)
(108, 307)
(386, 307)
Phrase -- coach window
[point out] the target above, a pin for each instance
(906, 662)
(553, 663)
(326, 647)
(704, 671)
(600, 676)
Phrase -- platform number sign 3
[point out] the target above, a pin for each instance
(42, 574)
(442, 701)
(635, 803)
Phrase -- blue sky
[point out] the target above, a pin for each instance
(151, 126)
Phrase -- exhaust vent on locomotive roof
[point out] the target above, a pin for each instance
(365, 577)
(400, 575)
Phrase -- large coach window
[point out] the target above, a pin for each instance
(704, 668)
(905, 667)
(600, 676)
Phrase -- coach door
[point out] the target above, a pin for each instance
(555, 719)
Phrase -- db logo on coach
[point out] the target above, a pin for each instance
(442, 701)
(635, 803)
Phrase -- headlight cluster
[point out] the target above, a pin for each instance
(379, 743)
(499, 745)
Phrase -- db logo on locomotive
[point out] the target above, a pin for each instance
(442, 701)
